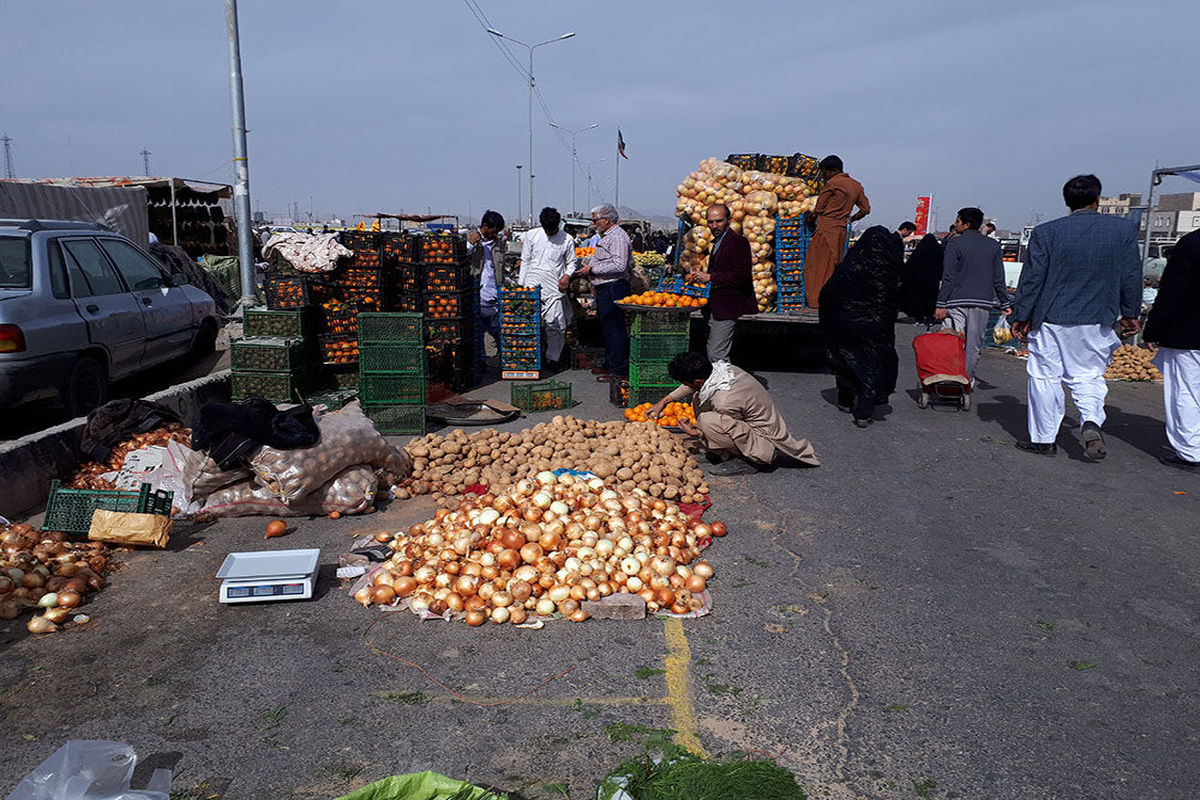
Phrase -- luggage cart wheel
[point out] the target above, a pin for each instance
(964, 402)
(923, 400)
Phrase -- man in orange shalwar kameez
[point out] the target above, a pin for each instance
(834, 204)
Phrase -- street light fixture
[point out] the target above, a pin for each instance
(574, 158)
(530, 48)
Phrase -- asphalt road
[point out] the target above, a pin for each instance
(929, 614)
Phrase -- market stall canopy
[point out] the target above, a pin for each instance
(201, 187)
(409, 217)
(122, 209)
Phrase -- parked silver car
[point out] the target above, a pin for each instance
(81, 306)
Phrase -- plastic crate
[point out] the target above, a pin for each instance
(293, 323)
(648, 393)
(267, 355)
(365, 259)
(646, 349)
(396, 247)
(287, 292)
(406, 302)
(278, 387)
(548, 395)
(397, 357)
(648, 373)
(520, 327)
(359, 278)
(587, 357)
(807, 168)
(367, 299)
(406, 276)
(334, 399)
(395, 420)
(744, 160)
(359, 241)
(447, 305)
(386, 388)
(441, 248)
(342, 377)
(337, 350)
(789, 297)
(672, 284)
(446, 278)
(696, 289)
(389, 327)
(70, 510)
(450, 330)
(677, 323)
(339, 318)
(775, 164)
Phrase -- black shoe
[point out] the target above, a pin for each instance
(1038, 447)
(864, 422)
(1179, 462)
(1093, 442)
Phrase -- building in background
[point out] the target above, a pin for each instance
(1121, 205)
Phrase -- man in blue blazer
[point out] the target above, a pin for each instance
(1082, 274)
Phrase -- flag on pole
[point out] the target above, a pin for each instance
(621, 144)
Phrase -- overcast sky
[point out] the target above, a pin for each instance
(374, 105)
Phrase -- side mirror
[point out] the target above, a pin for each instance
(178, 279)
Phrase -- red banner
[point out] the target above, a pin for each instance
(922, 218)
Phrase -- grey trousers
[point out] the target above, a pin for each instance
(720, 338)
(971, 321)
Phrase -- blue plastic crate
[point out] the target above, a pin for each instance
(673, 284)
(696, 289)
(789, 297)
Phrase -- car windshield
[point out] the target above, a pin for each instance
(14, 263)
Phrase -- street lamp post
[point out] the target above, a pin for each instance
(530, 48)
(519, 191)
(574, 158)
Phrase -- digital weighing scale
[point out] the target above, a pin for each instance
(263, 575)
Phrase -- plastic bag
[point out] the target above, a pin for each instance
(348, 438)
(760, 204)
(350, 492)
(1002, 332)
(90, 770)
(200, 474)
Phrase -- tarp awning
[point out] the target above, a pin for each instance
(119, 208)
(201, 187)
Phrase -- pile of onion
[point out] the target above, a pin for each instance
(42, 570)
(543, 548)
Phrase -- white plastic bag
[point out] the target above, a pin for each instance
(351, 492)
(90, 770)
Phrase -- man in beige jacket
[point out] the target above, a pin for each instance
(736, 421)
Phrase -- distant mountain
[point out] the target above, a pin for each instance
(658, 220)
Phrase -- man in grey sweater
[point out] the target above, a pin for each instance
(972, 283)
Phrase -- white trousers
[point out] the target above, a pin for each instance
(1181, 397)
(1073, 354)
(556, 314)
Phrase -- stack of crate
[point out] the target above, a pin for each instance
(657, 336)
(276, 358)
(392, 371)
(449, 301)
(791, 246)
(520, 333)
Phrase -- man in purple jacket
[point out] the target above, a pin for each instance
(732, 292)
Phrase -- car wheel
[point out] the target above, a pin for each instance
(87, 387)
(965, 402)
(206, 339)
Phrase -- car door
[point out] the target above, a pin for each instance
(167, 310)
(112, 314)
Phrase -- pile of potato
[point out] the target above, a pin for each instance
(1130, 363)
(628, 456)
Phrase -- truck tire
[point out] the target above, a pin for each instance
(87, 387)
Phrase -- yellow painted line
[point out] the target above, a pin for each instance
(557, 701)
(679, 694)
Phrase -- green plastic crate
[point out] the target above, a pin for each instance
(70, 510)
(278, 387)
(291, 324)
(334, 399)
(395, 419)
(659, 322)
(662, 347)
(391, 388)
(379, 326)
(402, 357)
(648, 373)
(548, 395)
(649, 394)
(272, 354)
(341, 378)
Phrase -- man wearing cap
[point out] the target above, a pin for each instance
(834, 204)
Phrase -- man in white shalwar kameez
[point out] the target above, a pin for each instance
(548, 260)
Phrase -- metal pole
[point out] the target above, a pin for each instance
(617, 201)
(531, 135)
(241, 186)
(519, 192)
(174, 217)
(1149, 217)
(573, 165)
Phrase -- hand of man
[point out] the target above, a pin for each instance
(473, 237)
(688, 428)
(941, 313)
(699, 277)
(564, 282)
(657, 409)
(1004, 312)
(1130, 326)
(583, 272)
(1020, 328)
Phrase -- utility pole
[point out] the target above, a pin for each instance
(241, 186)
(9, 172)
(145, 154)
(519, 192)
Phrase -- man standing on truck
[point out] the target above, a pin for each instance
(834, 204)
(1083, 272)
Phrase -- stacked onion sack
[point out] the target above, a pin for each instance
(1131, 363)
(41, 571)
(754, 199)
(544, 547)
(629, 455)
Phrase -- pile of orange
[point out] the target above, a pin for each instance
(584, 252)
(664, 300)
(669, 418)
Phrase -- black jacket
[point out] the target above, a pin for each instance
(1174, 320)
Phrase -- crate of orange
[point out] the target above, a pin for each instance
(337, 350)
(440, 248)
(657, 300)
(672, 414)
(548, 395)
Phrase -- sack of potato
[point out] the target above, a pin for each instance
(1130, 363)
